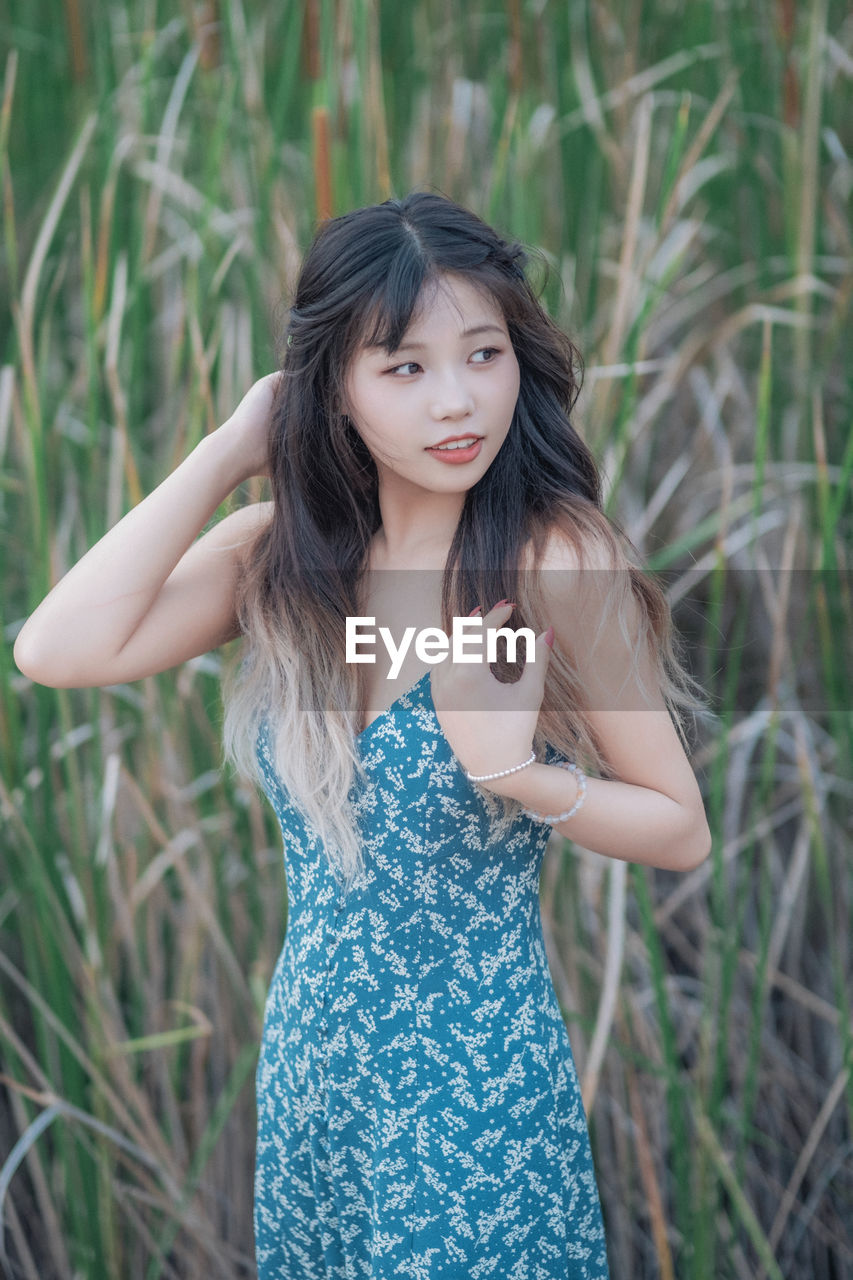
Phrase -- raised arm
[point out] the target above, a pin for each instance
(148, 596)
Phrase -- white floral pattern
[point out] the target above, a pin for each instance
(419, 1113)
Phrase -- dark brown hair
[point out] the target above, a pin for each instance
(362, 282)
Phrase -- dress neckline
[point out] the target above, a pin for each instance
(382, 714)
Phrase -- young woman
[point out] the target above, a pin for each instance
(418, 1107)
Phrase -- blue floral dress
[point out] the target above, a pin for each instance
(419, 1114)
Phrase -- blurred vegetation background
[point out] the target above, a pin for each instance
(682, 172)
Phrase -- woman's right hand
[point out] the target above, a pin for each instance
(250, 422)
(151, 593)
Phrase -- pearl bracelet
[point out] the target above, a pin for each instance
(563, 817)
(503, 773)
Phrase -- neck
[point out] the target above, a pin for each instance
(416, 529)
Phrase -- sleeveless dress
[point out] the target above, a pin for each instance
(419, 1113)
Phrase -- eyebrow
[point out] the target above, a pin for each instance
(419, 346)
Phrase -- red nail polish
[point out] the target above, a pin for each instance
(476, 609)
(549, 637)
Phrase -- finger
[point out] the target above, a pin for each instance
(498, 616)
(501, 610)
(544, 643)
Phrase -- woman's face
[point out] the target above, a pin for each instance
(444, 381)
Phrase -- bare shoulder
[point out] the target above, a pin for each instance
(562, 551)
(577, 572)
(586, 591)
(599, 625)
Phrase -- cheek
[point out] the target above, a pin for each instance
(357, 392)
(372, 428)
(510, 388)
(368, 398)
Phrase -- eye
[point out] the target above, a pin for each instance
(492, 351)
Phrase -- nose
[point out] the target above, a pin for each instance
(451, 398)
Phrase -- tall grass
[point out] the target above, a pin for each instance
(685, 172)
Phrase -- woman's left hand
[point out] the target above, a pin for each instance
(500, 735)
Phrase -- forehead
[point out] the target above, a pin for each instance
(469, 309)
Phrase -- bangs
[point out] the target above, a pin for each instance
(395, 303)
(401, 298)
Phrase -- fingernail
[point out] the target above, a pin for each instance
(502, 602)
(549, 637)
(476, 609)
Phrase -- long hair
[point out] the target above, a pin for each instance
(362, 281)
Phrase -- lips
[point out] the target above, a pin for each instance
(458, 453)
(470, 439)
